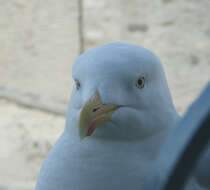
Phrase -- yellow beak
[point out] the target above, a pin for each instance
(93, 114)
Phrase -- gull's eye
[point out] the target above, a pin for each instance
(77, 83)
(140, 82)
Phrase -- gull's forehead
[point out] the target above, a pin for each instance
(114, 58)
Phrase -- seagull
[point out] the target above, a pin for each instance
(120, 113)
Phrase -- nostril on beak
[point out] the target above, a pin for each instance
(95, 109)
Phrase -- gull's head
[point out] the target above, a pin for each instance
(120, 92)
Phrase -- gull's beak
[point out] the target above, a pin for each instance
(93, 114)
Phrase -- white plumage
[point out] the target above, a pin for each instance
(120, 153)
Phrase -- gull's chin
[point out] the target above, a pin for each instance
(106, 130)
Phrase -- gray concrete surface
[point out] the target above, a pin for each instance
(39, 41)
(38, 44)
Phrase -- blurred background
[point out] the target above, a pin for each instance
(39, 41)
